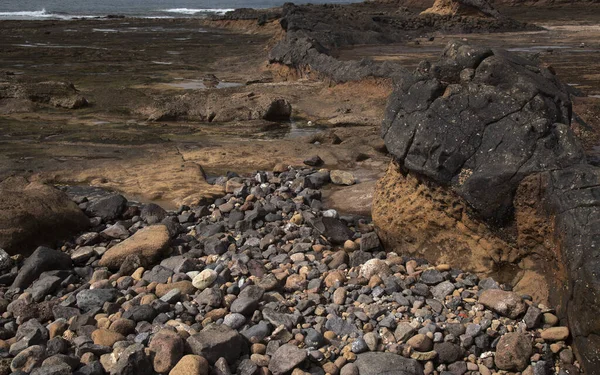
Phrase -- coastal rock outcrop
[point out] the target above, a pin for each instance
(33, 214)
(483, 144)
(471, 8)
(314, 31)
(481, 120)
(56, 94)
(308, 54)
(222, 106)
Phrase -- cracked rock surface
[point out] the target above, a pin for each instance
(493, 129)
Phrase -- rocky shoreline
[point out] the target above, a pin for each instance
(480, 257)
(265, 280)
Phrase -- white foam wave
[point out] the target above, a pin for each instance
(38, 14)
(191, 12)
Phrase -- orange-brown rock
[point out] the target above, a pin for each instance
(33, 214)
(191, 365)
(184, 286)
(106, 337)
(149, 243)
(416, 217)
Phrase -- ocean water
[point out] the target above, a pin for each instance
(69, 9)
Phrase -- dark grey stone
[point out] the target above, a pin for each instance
(369, 241)
(152, 213)
(218, 341)
(448, 352)
(257, 332)
(378, 363)
(532, 317)
(44, 286)
(276, 318)
(431, 277)
(89, 299)
(107, 208)
(142, 313)
(158, 274)
(340, 326)
(248, 299)
(43, 259)
(132, 361)
(286, 358)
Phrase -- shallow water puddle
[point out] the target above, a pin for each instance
(295, 128)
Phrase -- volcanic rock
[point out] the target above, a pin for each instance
(168, 348)
(483, 140)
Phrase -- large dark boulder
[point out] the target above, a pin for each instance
(107, 208)
(33, 214)
(480, 120)
(483, 138)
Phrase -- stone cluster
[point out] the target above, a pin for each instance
(266, 280)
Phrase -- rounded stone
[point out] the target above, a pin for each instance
(555, 334)
(204, 279)
(420, 343)
(374, 267)
(106, 337)
(191, 365)
(513, 352)
(349, 369)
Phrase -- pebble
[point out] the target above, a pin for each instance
(555, 334)
(204, 279)
(513, 352)
(191, 365)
